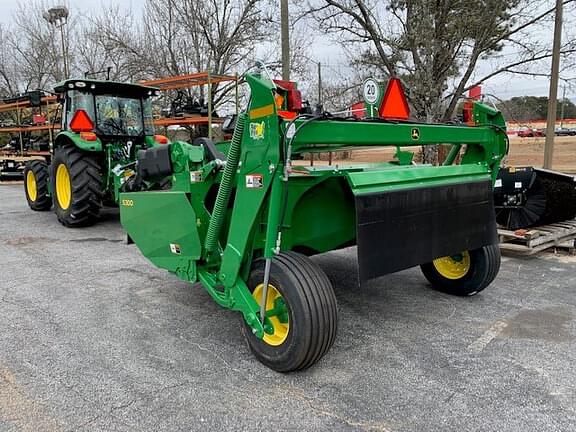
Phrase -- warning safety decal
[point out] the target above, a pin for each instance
(254, 181)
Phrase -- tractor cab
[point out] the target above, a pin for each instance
(104, 125)
(110, 110)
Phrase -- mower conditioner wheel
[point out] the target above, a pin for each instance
(302, 316)
(36, 185)
(76, 186)
(466, 273)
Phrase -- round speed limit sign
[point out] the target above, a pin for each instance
(371, 91)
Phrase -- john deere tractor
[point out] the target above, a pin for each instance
(104, 124)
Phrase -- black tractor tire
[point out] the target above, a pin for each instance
(483, 269)
(36, 185)
(312, 313)
(85, 182)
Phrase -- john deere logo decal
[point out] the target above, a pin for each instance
(257, 131)
(415, 134)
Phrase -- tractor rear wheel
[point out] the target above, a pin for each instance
(36, 185)
(76, 187)
(301, 312)
(466, 273)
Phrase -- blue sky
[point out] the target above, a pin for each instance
(504, 87)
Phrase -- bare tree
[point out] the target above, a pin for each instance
(184, 36)
(98, 49)
(441, 48)
(9, 71)
(36, 44)
(224, 34)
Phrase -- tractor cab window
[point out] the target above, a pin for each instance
(148, 117)
(77, 100)
(119, 115)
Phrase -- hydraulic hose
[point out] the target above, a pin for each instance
(225, 189)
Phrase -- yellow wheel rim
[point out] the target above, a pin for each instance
(63, 187)
(453, 267)
(31, 186)
(276, 313)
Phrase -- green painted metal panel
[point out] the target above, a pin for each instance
(162, 224)
(319, 214)
(334, 134)
(68, 136)
(404, 177)
(259, 159)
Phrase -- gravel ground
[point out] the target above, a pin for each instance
(94, 338)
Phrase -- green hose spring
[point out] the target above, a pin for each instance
(225, 188)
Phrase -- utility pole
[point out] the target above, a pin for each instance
(285, 32)
(64, 52)
(553, 94)
(562, 106)
(319, 83)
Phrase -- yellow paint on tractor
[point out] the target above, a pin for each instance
(31, 186)
(453, 267)
(63, 187)
(262, 112)
(280, 329)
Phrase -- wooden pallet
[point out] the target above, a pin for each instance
(536, 239)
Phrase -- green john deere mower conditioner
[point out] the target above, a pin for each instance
(244, 223)
(104, 124)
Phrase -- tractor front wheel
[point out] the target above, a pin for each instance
(301, 313)
(36, 185)
(466, 273)
(76, 186)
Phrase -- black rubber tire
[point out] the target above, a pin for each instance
(484, 267)
(39, 169)
(86, 182)
(313, 314)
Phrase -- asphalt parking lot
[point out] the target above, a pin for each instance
(95, 338)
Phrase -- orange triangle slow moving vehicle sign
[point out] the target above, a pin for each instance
(394, 104)
(81, 122)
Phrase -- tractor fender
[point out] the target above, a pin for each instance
(67, 137)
